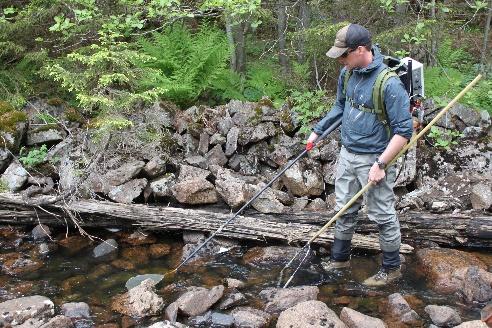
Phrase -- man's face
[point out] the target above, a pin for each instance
(352, 58)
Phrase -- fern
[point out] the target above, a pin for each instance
(188, 64)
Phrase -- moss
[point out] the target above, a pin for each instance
(3, 186)
(55, 102)
(9, 120)
(46, 127)
(265, 101)
(5, 107)
(72, 115)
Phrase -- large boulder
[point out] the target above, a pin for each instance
(35, 308)
(15, 177)
(473, 284)
(230, 188)
(304, 181)
(266, 202)
(140, 301)
(280, 299)
(443, 316)
(309, 314)
(195, 191)
(197, 300)
(439, 264)
(42, 136)
(162, 187)
(128, 191)
(401, 310)
(113, 178)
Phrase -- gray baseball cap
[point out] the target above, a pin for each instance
(349, 37)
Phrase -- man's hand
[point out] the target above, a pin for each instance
(310, 142)
(376, 174)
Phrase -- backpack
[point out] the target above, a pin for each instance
(401, 68)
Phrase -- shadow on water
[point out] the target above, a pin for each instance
(69, 277)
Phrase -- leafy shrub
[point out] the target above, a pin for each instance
(34, 157)
(309, 106)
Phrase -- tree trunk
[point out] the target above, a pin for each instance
(304, 21)
(433, 47)
(446, 229)
(282, 32)
(483, 60)
(230, 39)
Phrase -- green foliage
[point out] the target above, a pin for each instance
(3, 186)
(453, 57)
(309, 106)
(187, 64)
(444, 139)
(104, 78)
(34, 157)
(263, 79)
(46, 118)
(443, 84)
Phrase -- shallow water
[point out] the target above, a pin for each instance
(75, 277)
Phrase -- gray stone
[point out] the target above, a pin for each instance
(473, 324)
(114, 178)
(155, 167)
(197, 300)
(76, 310)
(443, 315)
(128, 191)
(171, 312)
(20, 310)
(473, 283)
(198, 161)
(167, 324)
(195, 191)
(406, 167)
(203, 143)
(280, 299)
(222, 320)
(224, 125)
(354, 319)
(15, 177)
(106, 248)
(266, 202)
(187, 172)
(40, 232)
(231, 300)
(162, 187)
(303, 182)
(230, 188)
(400, 308)
(247, 317)
(4, 159)
(234, 283)
(216, 156)
(60, 321)
(481, 196)
(140, 301)
(299, 204)
(231, 142)
(137, 280)
(316, 205)
(217, 139)
(44, 137)
(309, 314)
(256, 133)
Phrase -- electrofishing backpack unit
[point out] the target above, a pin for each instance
(410, 72)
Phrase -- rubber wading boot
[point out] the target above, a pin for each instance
(383, 277)
(340, 255)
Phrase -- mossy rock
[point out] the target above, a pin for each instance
(5, 107)
(9, 120)
(73, 115)
(55, 101)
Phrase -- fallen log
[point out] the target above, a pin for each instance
(102, 213)
(447, 229)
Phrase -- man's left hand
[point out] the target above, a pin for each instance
(376, 174)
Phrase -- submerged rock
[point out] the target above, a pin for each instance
(309, 314)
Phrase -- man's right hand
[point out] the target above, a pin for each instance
(310, 142)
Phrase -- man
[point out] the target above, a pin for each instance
(367, 146)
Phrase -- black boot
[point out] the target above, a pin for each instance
(340, 255)
(391, 260)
